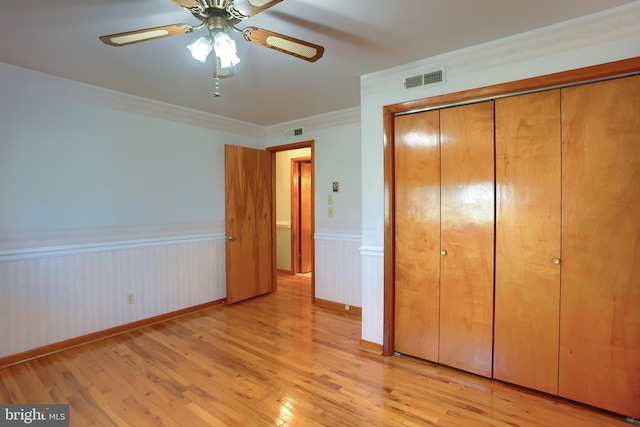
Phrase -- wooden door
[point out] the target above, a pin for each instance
(467, 237)
(527, 282)
(600, 304)
(417, 234)
(305, 237)
(248, 208)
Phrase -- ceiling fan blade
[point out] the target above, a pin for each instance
(285, 44)
(253, 7)
(137, 36)
(189, 4)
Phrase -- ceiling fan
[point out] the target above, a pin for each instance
(218, 16)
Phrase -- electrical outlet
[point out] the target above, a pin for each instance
(347, 307)
(330, 213)
(130, 298)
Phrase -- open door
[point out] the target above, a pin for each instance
(248, 207)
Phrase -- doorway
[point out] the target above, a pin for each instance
(291, 216)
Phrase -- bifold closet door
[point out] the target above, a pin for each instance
(527, 287)
(600, 299)
(467, 237)
(417, 234)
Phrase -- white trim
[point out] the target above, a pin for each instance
(376, 251)
(313, 123)
(339, 237)
(334, 227)
(598, 29)
(134, 104)
(67, 250)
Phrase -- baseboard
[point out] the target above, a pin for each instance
(338, 306)
(284, 272)
(57, 347)
(371, 347)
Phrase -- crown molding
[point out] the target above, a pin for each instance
(321, 121)
(93, 95)
(617, 25)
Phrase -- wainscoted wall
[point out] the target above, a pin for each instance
(51, 294)
(373, 283)
(104, 194)
(338, 268)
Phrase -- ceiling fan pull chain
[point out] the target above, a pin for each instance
(216, 93)
(216, 78)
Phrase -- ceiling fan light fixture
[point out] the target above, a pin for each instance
(225, 49)
(201, 48)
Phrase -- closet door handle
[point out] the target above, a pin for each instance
(556, 261)
(232, 238)
(443, 252)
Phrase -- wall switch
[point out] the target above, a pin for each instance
(347, 307)
(330, 199)
(330, 212)
(130, 298)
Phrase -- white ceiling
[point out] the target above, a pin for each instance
(60, 37)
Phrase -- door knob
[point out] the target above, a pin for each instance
(232, 238)
(556, 261)
(443, 252)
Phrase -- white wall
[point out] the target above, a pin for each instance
(102, 194)
(337, 239)
(600, 38)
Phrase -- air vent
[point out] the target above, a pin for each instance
(430, 78)
(414, 81)
(293, 132)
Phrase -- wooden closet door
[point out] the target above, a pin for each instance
(417, 234)
(467, 230)
(600, 305)
(527, 289)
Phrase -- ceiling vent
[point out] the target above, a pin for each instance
(431, 78)
(293, 132)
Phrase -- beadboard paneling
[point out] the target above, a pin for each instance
(338, 268)
(373, 293)
(48, 299)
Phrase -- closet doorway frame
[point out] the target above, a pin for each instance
(584, 75)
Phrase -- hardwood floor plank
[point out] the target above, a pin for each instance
(274, 360)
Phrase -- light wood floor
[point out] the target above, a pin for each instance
(273, 360)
